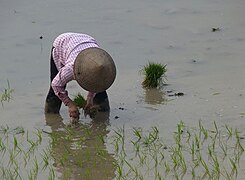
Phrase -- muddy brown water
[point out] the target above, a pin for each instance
(207, 66)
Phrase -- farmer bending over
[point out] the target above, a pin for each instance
(78, 57)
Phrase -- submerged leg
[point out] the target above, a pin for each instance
(101, 99)
(53, 103)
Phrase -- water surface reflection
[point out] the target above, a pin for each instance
(80, 152)
(155, 96)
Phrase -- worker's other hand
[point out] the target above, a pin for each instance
(89, 103)
(73, 110)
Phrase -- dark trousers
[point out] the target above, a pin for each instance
(53, 103)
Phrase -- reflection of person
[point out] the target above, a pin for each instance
(78, 57)
(80, 153)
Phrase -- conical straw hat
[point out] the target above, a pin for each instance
(94, 70)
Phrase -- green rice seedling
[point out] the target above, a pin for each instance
(51, 173)
(179, 132)
(33, 145)
(101, 138)
(136, 147)
(17, 175)
(88, 175)
(216, 166)
(159, 177)
(3, 172)
(154, 75)
(193, 149)
(120, 138)
(193, 173)
(213, 143)
(180, 159)
(39, 135)
(234, 168)
(12, 156)
(239, 141)
(95, 161)
(137, 133)
(175, 159)
(223, 147)
(36, 166)
(197, 143)
(101, 153)
(216, 128)
(6, 95)
(210, 151)
(2, 146)
(229, 131)
(151, 137)
(33, 173)
(205, 166)
(161, 156)
(183, 163)
(166, 167)
(80, 163)
(142, 158)
(132, 169)
(227, 175)
(45, 158)
(26, 158)
(4, 129)
(203, 131)
(176, 175)
(79, 101)
(15, 143)
(119, 170)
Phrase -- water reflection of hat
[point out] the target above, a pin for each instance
(94, 70)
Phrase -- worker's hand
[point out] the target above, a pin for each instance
(89, 103)
(73, 110)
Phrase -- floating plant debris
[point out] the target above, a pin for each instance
(215, 29)
(179, 94)
(170, 93)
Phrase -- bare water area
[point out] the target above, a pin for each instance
(149, 133)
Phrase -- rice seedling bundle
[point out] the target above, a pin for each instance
(154, 75)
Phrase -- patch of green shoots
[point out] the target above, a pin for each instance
(197, 152)
(20, 156)
(154, 75)
(79, 101)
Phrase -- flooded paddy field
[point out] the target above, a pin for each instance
(149, 133)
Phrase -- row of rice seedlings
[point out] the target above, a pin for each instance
(6, 94)
(143, 146)
(197, 152)
(217, 151)
(19, 154)
(81, 152)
